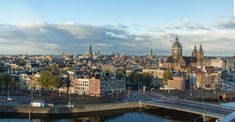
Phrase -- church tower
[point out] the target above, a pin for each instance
(151, 53)
(176, 50)
(194, 53)
(200, 57)
(90, 54)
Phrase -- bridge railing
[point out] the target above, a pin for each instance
(189, 109)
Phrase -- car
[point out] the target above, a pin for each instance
(50, 104)
(69, 105)
(9, 99)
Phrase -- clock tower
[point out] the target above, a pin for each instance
(176, 50)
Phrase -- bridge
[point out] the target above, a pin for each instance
(206, 110)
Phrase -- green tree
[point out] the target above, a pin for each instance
(48, 80)
(138, 79)
(54, 69)
(147, 79)
(6, 79)
(120, 73)
(22, 62)
(167, 75)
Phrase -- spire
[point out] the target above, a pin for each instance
(176, 39)
(177, 43)
(194, 53)
(151, 52)
(90, 49)
(195, 47)
(90, 55)
(200, 49)
(63, 53)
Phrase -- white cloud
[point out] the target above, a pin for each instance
(52, 46)
(226, 23)
(185, 24)
(43, 38)
(116, 35)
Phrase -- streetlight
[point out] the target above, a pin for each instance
(117, 90)
(2, 88)
(192, 78)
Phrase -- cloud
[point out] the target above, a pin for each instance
(185, 24)
(227, 23)
(116, 35)
(45, 38)
(52, 46)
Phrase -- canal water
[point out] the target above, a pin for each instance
(229, 104)
(127, 116)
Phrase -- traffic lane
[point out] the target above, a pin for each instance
(193, 107)
(194, 102)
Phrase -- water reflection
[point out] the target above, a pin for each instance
(125, 117)
(154, 115)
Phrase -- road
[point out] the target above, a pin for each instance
(158, 100)
(147, 97)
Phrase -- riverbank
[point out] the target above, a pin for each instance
(101, 116)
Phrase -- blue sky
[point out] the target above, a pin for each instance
(123, 24)
(102, 12)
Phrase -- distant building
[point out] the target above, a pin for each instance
(216, 62)
(156, 73)
(98, 86)
(194, 53)
(176, 83)
(3, 69)
(207, 78)
(176, 50)
(90, 54)
(29, 81)
(200, 57)
(177, 62)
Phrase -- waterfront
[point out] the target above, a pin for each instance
(229, 104)
(126, 117)
(136, 116)
(113, 111)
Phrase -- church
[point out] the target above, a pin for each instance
(183, 67)
(178, 62)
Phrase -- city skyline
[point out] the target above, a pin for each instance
(133, 27)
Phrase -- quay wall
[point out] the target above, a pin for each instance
(66, 110)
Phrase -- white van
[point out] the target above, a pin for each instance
(38, 103)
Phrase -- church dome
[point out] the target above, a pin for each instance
(177, 43)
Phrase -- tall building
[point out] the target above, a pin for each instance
(90, 54)
(151, 53)
(200, 57)
(199, 54)
(194, 53)
(176, 50)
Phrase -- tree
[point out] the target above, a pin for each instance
(6, 79)
(22, 63)
(147, 79)
(47, 80)
(167, 75)
(120, 73)
(54, 69)
(138, 79)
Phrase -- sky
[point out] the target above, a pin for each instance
(124, 26)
